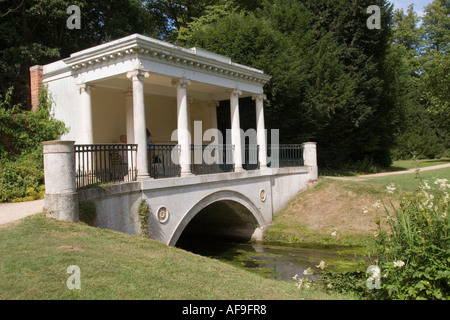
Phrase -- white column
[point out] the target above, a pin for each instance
(236, 129)
(128, 94)
(140, 135)
(213, 113)
(129, 116)
(86, 136)
(184, 137)
(261, 130)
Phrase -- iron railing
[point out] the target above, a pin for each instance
(209, 159)
(116, 163)
(164, 161)
(285, 155)
(251, 157)
(105, 163)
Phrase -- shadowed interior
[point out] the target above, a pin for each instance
(226, 220)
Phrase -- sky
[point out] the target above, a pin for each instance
(419, 5)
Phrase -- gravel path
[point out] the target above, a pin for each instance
(10, 212)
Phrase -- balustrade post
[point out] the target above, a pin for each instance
(310, 159)
(61, 198)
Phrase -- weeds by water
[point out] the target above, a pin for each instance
(410, 249)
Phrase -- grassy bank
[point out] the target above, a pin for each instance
(334, 212)
(35, 255)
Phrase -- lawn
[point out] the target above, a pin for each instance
(401, 165)
(409, 181)
(343, 206)
(35, 255)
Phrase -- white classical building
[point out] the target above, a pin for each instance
(136, 83)
(128, 85)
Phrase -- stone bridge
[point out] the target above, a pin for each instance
(234, 205)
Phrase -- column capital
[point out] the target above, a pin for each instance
(137, 74)
(84, 87)
(213, 103)
(235, 92)
(259, 97)
(181, 82)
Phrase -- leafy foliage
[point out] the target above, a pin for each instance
(21, 158)
(330, 76)
(414, 249)
(424, 52)
(144, 216)
(358, 93)
(410, 250)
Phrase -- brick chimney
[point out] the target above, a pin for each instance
(35, 85)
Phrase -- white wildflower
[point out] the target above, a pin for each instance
(322, 265)
(391, 188)
(365, 210)
(334, 233)
(295, 277)
(377, 204)
(308, 272)
(399, 264)
(303, 282)
(299, 283)
(442, 184)
(330, 286)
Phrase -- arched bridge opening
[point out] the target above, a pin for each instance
(216, 226)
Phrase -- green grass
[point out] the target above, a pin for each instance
(35, 255)
(408, 182)
(401, 165)
(349, 198)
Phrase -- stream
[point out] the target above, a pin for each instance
(279, 261)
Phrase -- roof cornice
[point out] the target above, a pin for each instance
(141, 47)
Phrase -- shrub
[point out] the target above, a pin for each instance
(144, 212)
(414, 250)
(410, 253)
(21, 179)
(21, 136)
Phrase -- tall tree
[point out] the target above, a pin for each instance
(329, 70)
(35, 32)
(435, 81)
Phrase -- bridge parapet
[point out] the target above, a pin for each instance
(246, 200)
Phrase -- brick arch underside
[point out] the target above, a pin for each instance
(224, 216)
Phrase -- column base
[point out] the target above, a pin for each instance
(62, 206)
(144, 177)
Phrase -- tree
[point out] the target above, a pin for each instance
(436, 26)
(435, 79)
(329, 71)
(35, 32)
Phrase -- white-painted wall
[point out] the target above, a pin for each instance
(185, 197)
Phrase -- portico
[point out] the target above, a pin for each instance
(136, 83)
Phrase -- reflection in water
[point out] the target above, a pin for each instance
(274, 261)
